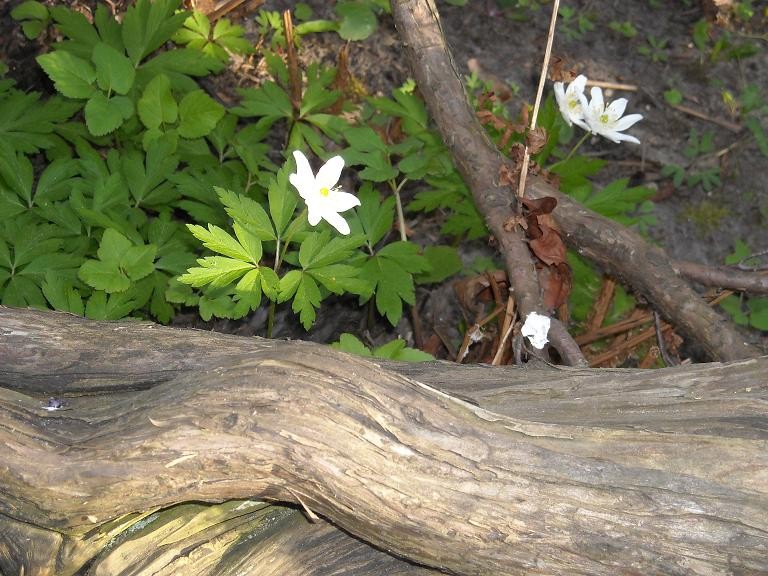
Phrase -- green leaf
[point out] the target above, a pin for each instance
(351, 344)
(198, 114)
(397, 350)
(444, 261)
(114, 72)
(72, 76)
(268, 100)
(148, 25)
(357, 20)
(217, 271)
(248, 212)
(138, 261)
(104, 276)
(104, 115)
(282, 201)
(30, 10)
(306, 301)
(101, 306)
(218, 240)
(288, 285)
(157, 105)
(61, 295)
(758, 313)
(741, 250)
(375, 216)
(390, 271)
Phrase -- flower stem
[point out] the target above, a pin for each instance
(572, 152)
(271, 318)
(399, 205)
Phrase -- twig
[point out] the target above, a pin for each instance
(732, 278)
(668, 360)
(509, 324)
(719, 121)
(612, 85)
(539, 92)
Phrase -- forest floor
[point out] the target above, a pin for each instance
(653, 46)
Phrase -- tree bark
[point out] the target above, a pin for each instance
(575, 471)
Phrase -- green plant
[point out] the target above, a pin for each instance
(699, 171)
(574, 23)
(656, 49)
(217, 41)
(394, 350)
(625, 28)
(747, 311)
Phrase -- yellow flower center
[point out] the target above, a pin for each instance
(324, 192)
(604, 118)
(573, 103)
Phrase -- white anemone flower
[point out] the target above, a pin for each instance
(569, 101)
(323, 198)
(536, 328)
(607, 121)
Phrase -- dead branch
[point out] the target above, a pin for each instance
(620, 251)
(589, 472)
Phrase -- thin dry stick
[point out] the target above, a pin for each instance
(539, 92)
(509, 324)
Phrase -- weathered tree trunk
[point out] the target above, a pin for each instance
(575, 471)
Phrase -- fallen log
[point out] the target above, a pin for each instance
(467, 469)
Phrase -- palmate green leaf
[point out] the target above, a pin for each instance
(157, 105)
(218, 240)
(114, 72)
(317, 250)
(104, 115)
(22, 292)
(198, 114)
(109, 29)
(282, 200)
(148, 25)
(230, 36)
(72, 76)
(349, 343)
(146, 175)
(391, 271)
(375, 216)
(217, 271)
(248, 213)
(179, 65)
(103, 306)
(105, 276)
(16, 173)
(444, 261)
(268, 100)
(120, 263)
(27, 124)
(61, 294)
(316, 97)
(341, 278)
(397, 350)
(76, 27)
(307, 300)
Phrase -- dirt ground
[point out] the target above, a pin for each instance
(693, 223)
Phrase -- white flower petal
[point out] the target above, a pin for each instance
(330, 172)
(536, 328)
(337, 221)
(578, 84)
(624, 123)
(616, 108)
(342, 201)
(618, 137)
(315, 214)
(597, 102)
